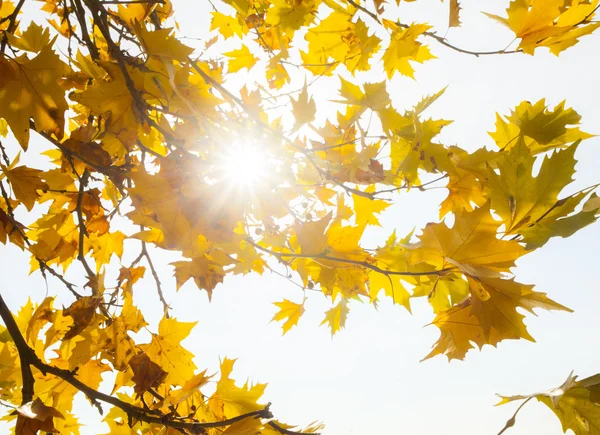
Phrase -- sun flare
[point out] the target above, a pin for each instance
(244, 165)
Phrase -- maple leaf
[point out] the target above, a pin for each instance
(189, 388)
(290, 312)
(229, 400)
(404, 48)
(575, 403)
(227, 25)
(82, 311)
(146, 373)
(304, 108)
(311, 235)
(335, 317)
(472, 241)
(25, 182)
(539, 126)
(521, 199)
(105, 246)
(205, 272)
(488, 316)
(162, 43)
(35, 416)
(240, 58)
(548, 23)
(34, 39)
(454, 14)
(41, 316)
(165, 350)
(29, 90)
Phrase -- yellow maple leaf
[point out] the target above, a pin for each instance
(539, 126)
(551, 23)
(336, 316)
(575, 403)
(162, 43)
(227, 25)
(205, 272)
(522, 199)
(188, 389)
(488, 316)
(304, 107)
(29, 89)
(404, 48)
(471, 241)
(290, 312)
(105, 246)
(34, 39)
(229, 400)
(25, 183)
(240, 58)
(166, 350)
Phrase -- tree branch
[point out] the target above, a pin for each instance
(433, 35)
(26, 354)
(29, 358)
(280, 256)
(12, 24)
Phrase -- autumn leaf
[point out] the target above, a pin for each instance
(575, 403)
(35, 416)
(26, 184)
(335, 317)
(146, 373)
(29, 90)
(82, 311)
(404, 48)
(240, 58)
(548, 23)
(188, 389)
(229, 400)
(304, 108)
(290, 312)
(521, 199)
(166, 351)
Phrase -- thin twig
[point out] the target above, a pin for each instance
(511, 421)
(281, 255)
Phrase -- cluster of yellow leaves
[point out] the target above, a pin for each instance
(556, 24)
(161, 367)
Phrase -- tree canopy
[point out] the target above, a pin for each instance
(224, 155)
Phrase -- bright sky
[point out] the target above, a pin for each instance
(368, 378)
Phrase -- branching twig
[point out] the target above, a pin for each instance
(12, 24)
(156, 279)
(281, 255)
(25, 352)
(81, 224)
(29, 358)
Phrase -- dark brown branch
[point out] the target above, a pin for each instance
(25, 352)
(81, 224)
(156, 279)
(29, 358)
(280, 256)
(12, 24)
(100, 16)
(80, 14)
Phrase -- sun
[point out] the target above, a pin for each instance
(244, 165)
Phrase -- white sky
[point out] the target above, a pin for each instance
(368, 378)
